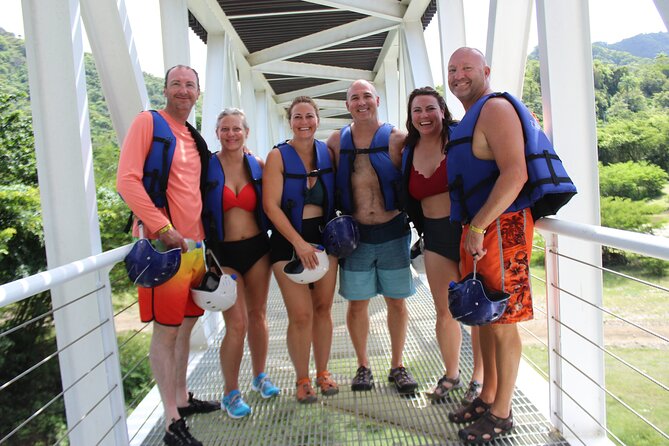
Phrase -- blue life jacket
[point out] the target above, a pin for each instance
(212, 213)
(159, 160)
(389, 176)
(471, 180)
(295, 182)
(158, 163)
(409, 204)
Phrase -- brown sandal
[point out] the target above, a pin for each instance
(471, 412)
(486, 429)
(327, 385)
(444, 387)
(305, 394)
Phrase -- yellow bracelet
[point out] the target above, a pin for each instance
(165, 228)
(476, 229)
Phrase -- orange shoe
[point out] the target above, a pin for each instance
(305, 394)
(327, 385)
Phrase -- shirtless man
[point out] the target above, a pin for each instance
(368, 157)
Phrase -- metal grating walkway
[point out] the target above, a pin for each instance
(379, 417)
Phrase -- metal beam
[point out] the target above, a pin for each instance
(506, 49)
(331, 103)
(334, 123)
(88, 354)
(418, 61)
(211, 16)
(663, 8)
(213, 100)
(314, 70)
(569, 119)
(452, 36)
(174, 26)
(314, 92)
(384, 9)
(213, 19)
(313, 42)
(415, 10)
(328, 112)
(116, 60)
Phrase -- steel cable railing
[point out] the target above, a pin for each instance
(613, 355)
(615, 397)
(617, 358)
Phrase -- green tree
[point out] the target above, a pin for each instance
(532, 89)
(642, 137)
(636, 181)
(22, 254)
(623, 213)
(17, 156)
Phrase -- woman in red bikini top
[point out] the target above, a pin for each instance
(428, 122)
(244, 252)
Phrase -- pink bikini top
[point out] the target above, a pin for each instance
(246, 199)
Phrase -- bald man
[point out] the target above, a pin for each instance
(368, 154)
(498, 231)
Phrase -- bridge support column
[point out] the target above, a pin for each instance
(569, 120)
(89, 363)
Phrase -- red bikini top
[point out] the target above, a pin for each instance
(246, 199)
(421, 187)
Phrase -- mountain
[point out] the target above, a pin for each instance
(637, 49)
(642, 45)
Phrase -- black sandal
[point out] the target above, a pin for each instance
(486, 429)
(470, 412)
(443, 388)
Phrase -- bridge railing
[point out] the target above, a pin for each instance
(556, 366)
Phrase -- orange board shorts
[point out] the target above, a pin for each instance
(506, 265)
(171, 302)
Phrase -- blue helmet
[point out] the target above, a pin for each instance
(341, 236)
(147, 267)
(472, 303)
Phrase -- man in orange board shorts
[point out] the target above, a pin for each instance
(486, 173)
(175, 223)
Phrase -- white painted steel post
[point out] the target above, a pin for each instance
(231, 95)
(54, 50)
(451, 14)
(663, 8)
(552, 266)
(506, 48)
(248, 97)
(174, 30)
(118, 66)
(416, 55)
(261, 130)
(212, 103)
(391, 88)
(569, 120)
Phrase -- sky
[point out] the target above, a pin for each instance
(610, 21)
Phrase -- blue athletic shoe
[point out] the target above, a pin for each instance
(234, 405)
(262, 384)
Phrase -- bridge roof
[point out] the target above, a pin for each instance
(324, 37)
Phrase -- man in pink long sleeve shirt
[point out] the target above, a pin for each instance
(170, 305)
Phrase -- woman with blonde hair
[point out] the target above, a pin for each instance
(236, 229)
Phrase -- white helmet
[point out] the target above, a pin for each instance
(417, 256)
(216, 292)
(299, 274)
